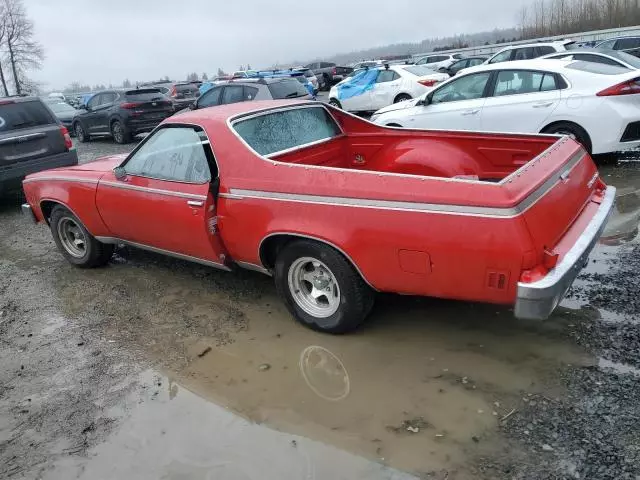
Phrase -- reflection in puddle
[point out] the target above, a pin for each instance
(163, 434)
(324, 373)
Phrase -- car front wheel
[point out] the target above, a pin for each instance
(77, 245)
(120, 133)
(335, 103)
(81, 135)
(321, 289)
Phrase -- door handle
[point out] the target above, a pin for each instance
(195, 203)
(471, 112)
(542, 104)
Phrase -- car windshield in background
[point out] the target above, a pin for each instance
(419, 70)
(14, 116)
(61, 107)
(571, 46)
(599, 68)
(144, 94)
(301, 78)
(189, 90)
(625, 57)
(278, 131)
(287, 88)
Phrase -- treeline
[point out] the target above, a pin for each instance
(559, 17)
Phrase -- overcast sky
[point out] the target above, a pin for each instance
(101, 41)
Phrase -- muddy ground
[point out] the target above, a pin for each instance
(153, 368)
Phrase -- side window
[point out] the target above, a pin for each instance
(514, 82)
(436, 59)
(544, 50)
(232, 94)
(282, 130)
(175, 154)
(475, 61)
(607, 44)
(95, 100)
(108, 98)
(210, 98)
(627, 43)
(468, 87)
(459, 65)
(526, 53)
(588, 57)
(502, 57)
(386, 76)
(250, 93)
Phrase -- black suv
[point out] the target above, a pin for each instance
(182, 94)
(31, 139)
(122, 114)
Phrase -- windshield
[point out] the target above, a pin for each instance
(17, 115)
(61, 107)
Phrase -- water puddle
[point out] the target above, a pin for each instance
(54, 323)
(617, 367)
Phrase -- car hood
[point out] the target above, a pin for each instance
(399, 106)
(102, 164)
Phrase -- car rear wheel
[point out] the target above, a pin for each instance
(321, 289)
(402, 97)
(77, 245)
(335, 103)
(327, 82)
(573, 130)
(81, 135)
(119, 133)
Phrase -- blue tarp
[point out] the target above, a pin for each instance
(205, 87)
(358, 84)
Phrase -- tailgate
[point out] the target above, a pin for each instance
(552, 208)
(28, 131)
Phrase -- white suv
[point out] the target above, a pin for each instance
(530, 51)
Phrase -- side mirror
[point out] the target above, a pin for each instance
(82, 106)
(425, 101)
(119, 173)
(193, 106)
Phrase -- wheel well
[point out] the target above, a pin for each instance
(402, 95)
(47, 207)
(566, 122)
(271, 246)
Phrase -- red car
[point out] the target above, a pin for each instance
(336, 208)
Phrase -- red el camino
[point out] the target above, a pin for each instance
(336, 208)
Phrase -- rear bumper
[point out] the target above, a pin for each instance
(134, 125)
(12, 175)
(537, 300)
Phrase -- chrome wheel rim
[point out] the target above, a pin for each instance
(79, 132)
(568, 134)
(72, 237)
(314, 287)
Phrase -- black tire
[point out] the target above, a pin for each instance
(355, 299)
(327, 82)
(402, 97)
(572, 129)
(80, 132)
(335, 103)
(119, 133)
(95, 253)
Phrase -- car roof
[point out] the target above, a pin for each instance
(222, 113)
(538, 64)
(19, 98)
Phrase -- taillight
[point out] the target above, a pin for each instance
(130, 105)
(626, 88)
(428, 83)
(173, 92)
(334, 71)
(67, 138)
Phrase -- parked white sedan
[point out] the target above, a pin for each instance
(392, 84)
(599, 105)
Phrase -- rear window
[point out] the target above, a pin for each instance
(282, 130)
(188, 89)
(14, 116)
(419, 70)
(287, 88)
(144, 94)
(599, 68)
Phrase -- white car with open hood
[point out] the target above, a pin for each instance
(375, 88)
(597, 104)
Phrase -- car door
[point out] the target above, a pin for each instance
(210, 98)
(521, 101)
(102, 111)
(164, 199)
(386, 88)
(456, 105)
(90, 117)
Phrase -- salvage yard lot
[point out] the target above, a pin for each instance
(187, 371)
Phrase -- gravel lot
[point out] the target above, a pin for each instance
(179, 371)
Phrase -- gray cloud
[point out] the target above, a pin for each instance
(106, 42)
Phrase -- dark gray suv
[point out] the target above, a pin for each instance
(31, 139)
(247, 89)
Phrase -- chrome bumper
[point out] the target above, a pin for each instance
(537, 300)
(28, 212)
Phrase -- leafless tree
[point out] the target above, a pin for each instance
(3, 36)
(22, 51)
